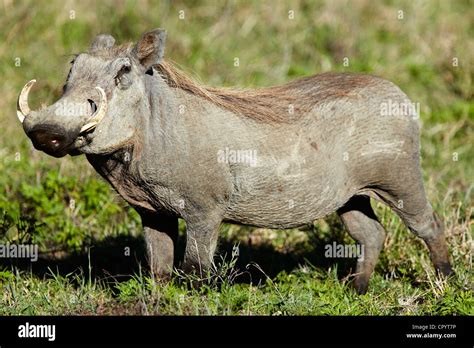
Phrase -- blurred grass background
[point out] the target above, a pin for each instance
(426, 47)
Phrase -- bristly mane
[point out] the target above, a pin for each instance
(278, 104)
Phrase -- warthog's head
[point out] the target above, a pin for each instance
(105, 96)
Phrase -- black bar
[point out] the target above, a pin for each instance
(167, 330)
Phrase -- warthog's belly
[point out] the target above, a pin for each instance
(287, 194)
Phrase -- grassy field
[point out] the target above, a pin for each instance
(83, 228)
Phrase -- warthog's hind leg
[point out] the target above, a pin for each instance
(406, 196)
(429, 227)
(362, 224)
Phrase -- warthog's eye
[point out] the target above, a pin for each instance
(123, 80)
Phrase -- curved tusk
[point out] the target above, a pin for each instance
(22, 108)
(99, 114)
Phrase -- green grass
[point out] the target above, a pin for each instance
(83, 228)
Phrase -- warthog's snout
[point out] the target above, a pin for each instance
(52, 139)
(55, 128)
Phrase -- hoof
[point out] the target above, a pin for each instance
(360, 286)
(445, 269)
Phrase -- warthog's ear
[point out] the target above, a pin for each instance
(150, 48)
(102, 41)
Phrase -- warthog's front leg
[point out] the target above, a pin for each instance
(201, 242)
(161, 234)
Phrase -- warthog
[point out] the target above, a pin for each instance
(277, 157)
